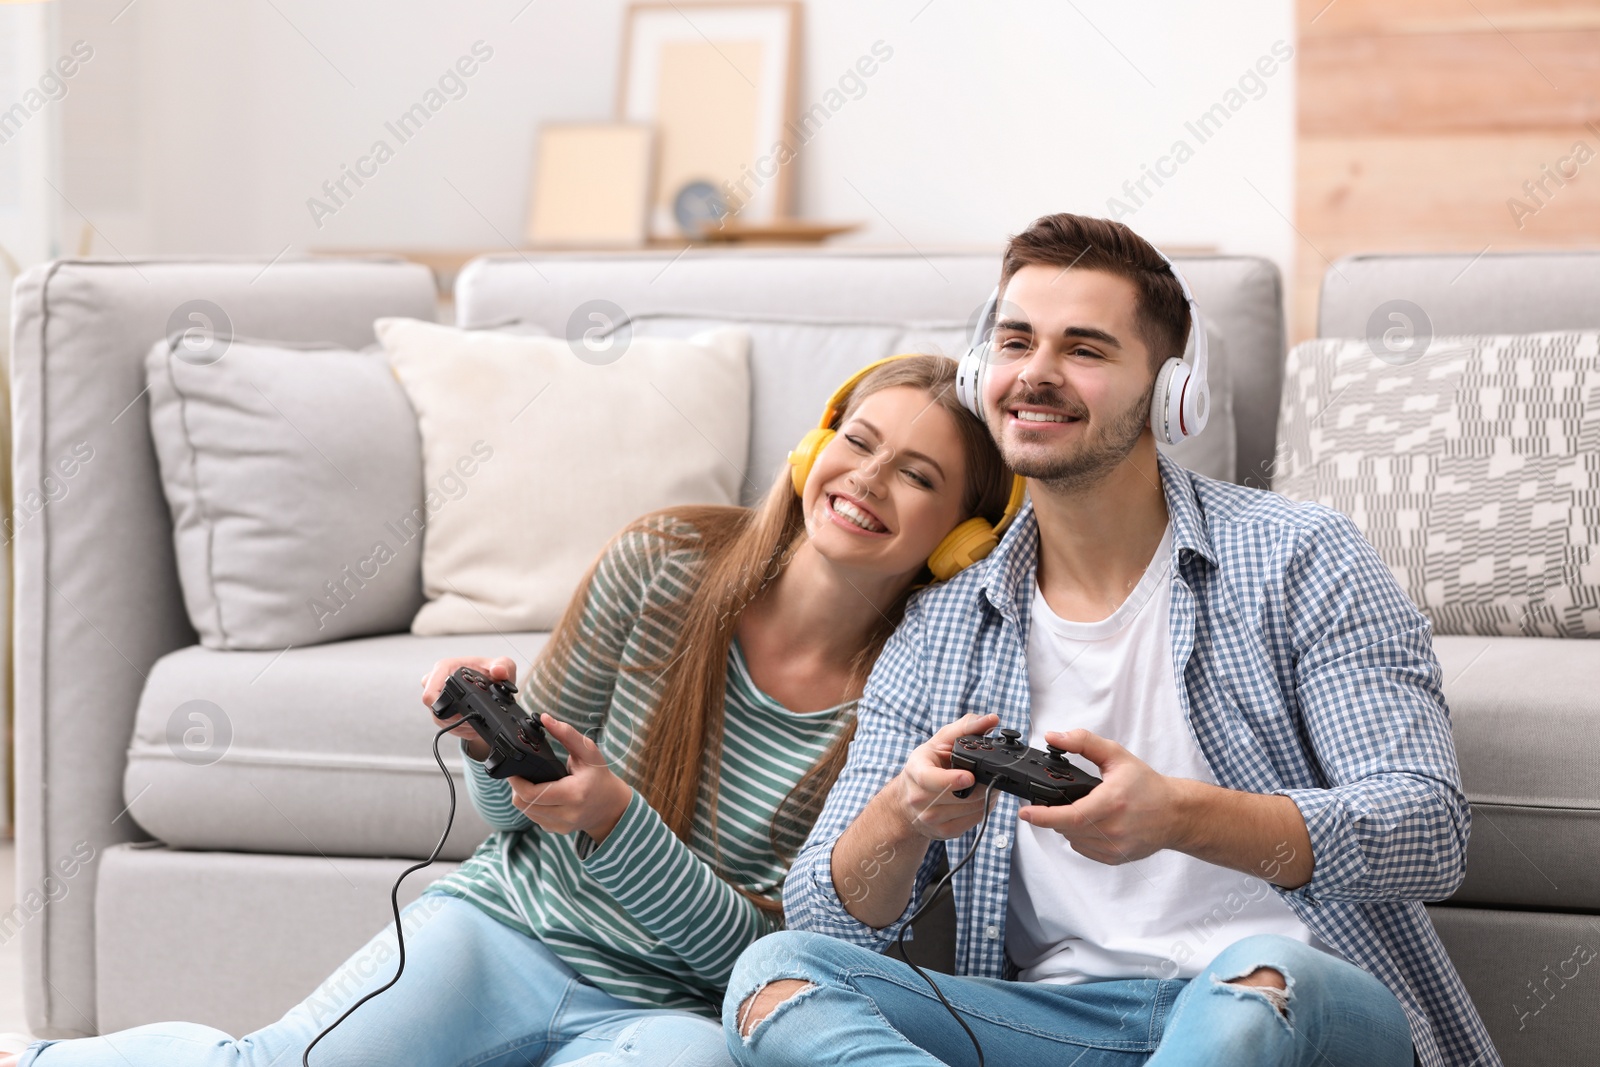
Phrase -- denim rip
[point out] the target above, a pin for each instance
(1280, 999)
(747, 1030)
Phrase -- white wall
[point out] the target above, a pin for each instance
(988, 116)
(27, 127)
(210, 125)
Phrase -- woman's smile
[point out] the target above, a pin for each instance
(853, 515)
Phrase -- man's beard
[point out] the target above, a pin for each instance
(1093, 459)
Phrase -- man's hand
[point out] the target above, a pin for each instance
(924, 789)
(591, 798)
(1133, 813)
(874, 862)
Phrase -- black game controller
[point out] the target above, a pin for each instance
(1008, 765)
(517, 744)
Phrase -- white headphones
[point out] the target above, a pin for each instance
(1179, 406)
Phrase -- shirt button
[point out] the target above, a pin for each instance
(1002, 840)
(991, 931)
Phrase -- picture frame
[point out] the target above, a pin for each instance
(718, 81)
(592, 183)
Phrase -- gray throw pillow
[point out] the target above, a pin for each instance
(1470, 466)
(294, 476)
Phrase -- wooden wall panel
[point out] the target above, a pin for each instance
(1359, 84)
(1443, 125)
(1520, 189)
(1438, 194)
(1321, 18)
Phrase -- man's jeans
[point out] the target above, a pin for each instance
(864, 1008)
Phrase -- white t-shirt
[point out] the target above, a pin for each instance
(1071, 918)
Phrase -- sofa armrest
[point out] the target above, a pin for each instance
(96, 591)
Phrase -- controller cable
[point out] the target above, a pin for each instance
(899, 939)
(394, 897)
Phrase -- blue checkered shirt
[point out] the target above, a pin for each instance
(1305, 671)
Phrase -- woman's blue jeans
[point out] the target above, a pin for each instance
(474, 992)
(864, 1008)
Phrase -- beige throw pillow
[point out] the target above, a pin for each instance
(541, 456)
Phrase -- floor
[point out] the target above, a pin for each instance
(11, 1016)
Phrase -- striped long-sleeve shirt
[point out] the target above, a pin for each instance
(645, 916)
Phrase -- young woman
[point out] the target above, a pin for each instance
(702, 684)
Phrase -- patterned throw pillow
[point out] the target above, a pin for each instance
(1473, 468)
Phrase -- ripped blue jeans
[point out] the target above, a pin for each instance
(864, 1008)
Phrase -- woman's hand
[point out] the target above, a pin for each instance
(591, 798)
(499, 670)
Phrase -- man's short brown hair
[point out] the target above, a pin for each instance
(1079, 242)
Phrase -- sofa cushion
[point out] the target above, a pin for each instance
(566, 451)
(859, 292)
(1522, 710)
(804, 360)
(1470, 466)
(815, 355)
(321, 750)
(1462, 292)
(294, 477)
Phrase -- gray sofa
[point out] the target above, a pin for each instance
(1525, 711)
(222, 894)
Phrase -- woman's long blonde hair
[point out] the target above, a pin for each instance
(743, 550)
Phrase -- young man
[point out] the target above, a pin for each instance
(1258, 694)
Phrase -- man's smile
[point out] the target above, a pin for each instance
(1038, 417)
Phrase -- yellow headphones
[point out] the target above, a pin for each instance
(962, 547)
